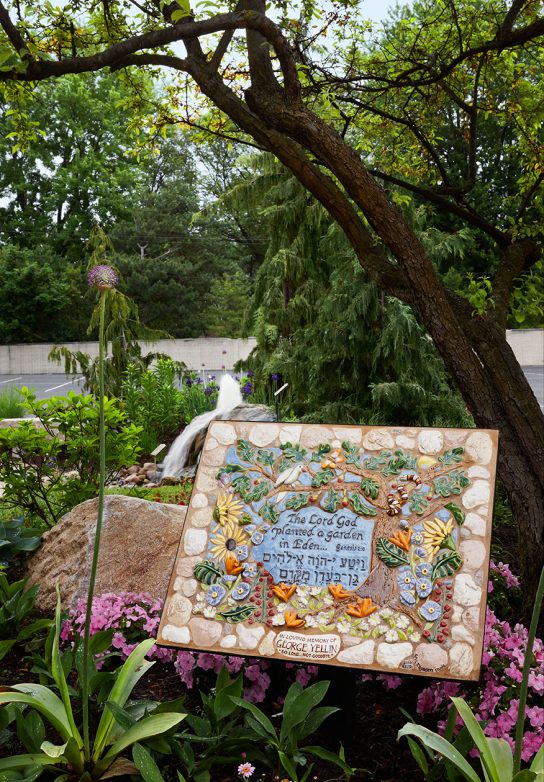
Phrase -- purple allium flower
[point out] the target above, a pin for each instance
(189, 382)
(274, 377)
(247, 388)
(102, 277)
(250, 373)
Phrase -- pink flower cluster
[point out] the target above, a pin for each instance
(511, 581)
(493, 703)
(136, 616)
(133, 615)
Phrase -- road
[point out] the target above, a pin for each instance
(52, 385)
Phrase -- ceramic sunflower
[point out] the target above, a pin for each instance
(225, 539)
(228, 508)
(437, 535)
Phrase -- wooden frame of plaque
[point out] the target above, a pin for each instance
(355, 546)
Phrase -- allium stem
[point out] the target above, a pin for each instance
(520, 724)
(92, 579)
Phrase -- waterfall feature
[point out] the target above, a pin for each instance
(228, 398)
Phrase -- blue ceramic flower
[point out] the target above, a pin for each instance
(424, 570)
(228, 579)
(257, 538)
(403, 523)
(420, 552)
(250, 570)
(241, 591)
(407, 598)
(431, 611)
(424, 587)
(406, 580)
(241, 553)
(417, 535)
(215, 595)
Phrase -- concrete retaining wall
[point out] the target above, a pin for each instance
(213, 353)
(198, 354)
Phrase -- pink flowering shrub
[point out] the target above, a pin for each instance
(136, 616)
(493, 701)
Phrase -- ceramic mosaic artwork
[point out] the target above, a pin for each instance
(357, 546)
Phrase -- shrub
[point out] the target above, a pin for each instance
(49, 468)
(16, 539)
(16, 606)
(10, 403)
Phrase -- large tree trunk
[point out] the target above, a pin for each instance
(474, 351)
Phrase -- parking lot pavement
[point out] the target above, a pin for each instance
(52, 385)
(44, 385)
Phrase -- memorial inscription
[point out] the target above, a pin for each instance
(340, 545)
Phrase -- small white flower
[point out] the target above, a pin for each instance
(382, 629)
(278, 620)
(415, 637)
(311, 621)
(343, 627)
(209, 612)
(391, 636)
(386, 613)
(374, 619)
(364, 626)
(201, 598)
(402, 621)
(197, 608)
(314, 591)
(282, 607)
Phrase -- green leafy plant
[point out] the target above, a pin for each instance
(301, 717)
(10, 403)
(497, 761)
(153, 401)
(16, 540)
(50, 467)
(16, 606)
(116, 730)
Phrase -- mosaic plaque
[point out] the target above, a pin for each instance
(365, 547)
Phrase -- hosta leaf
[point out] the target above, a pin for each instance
(390, 554)
(360, 506)
(207, 572)
(297, 501)
(457, 512)
(446, 564)
(238, 614)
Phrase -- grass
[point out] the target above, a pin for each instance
(10, 403)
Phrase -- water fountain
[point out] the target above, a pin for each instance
(187, 446)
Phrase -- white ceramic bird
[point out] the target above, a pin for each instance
(287, 477)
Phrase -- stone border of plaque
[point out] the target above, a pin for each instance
(355, 546)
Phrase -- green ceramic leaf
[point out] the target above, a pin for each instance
(266, 457)
(447, 563)
(291, 451)
(229, 468)
(322, 477)
(457, 512)
(349, 447)
(323, 448)
(455, 456)
(241, 484)
(206, 572)
(417, 502)
(259, 491)
(360, 507)
(245, 451)
(297, 501)
(269, 513)
(370, 488)
(238, 614)
(332, 501)
(390, 554)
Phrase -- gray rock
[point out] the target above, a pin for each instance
(137, 550)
